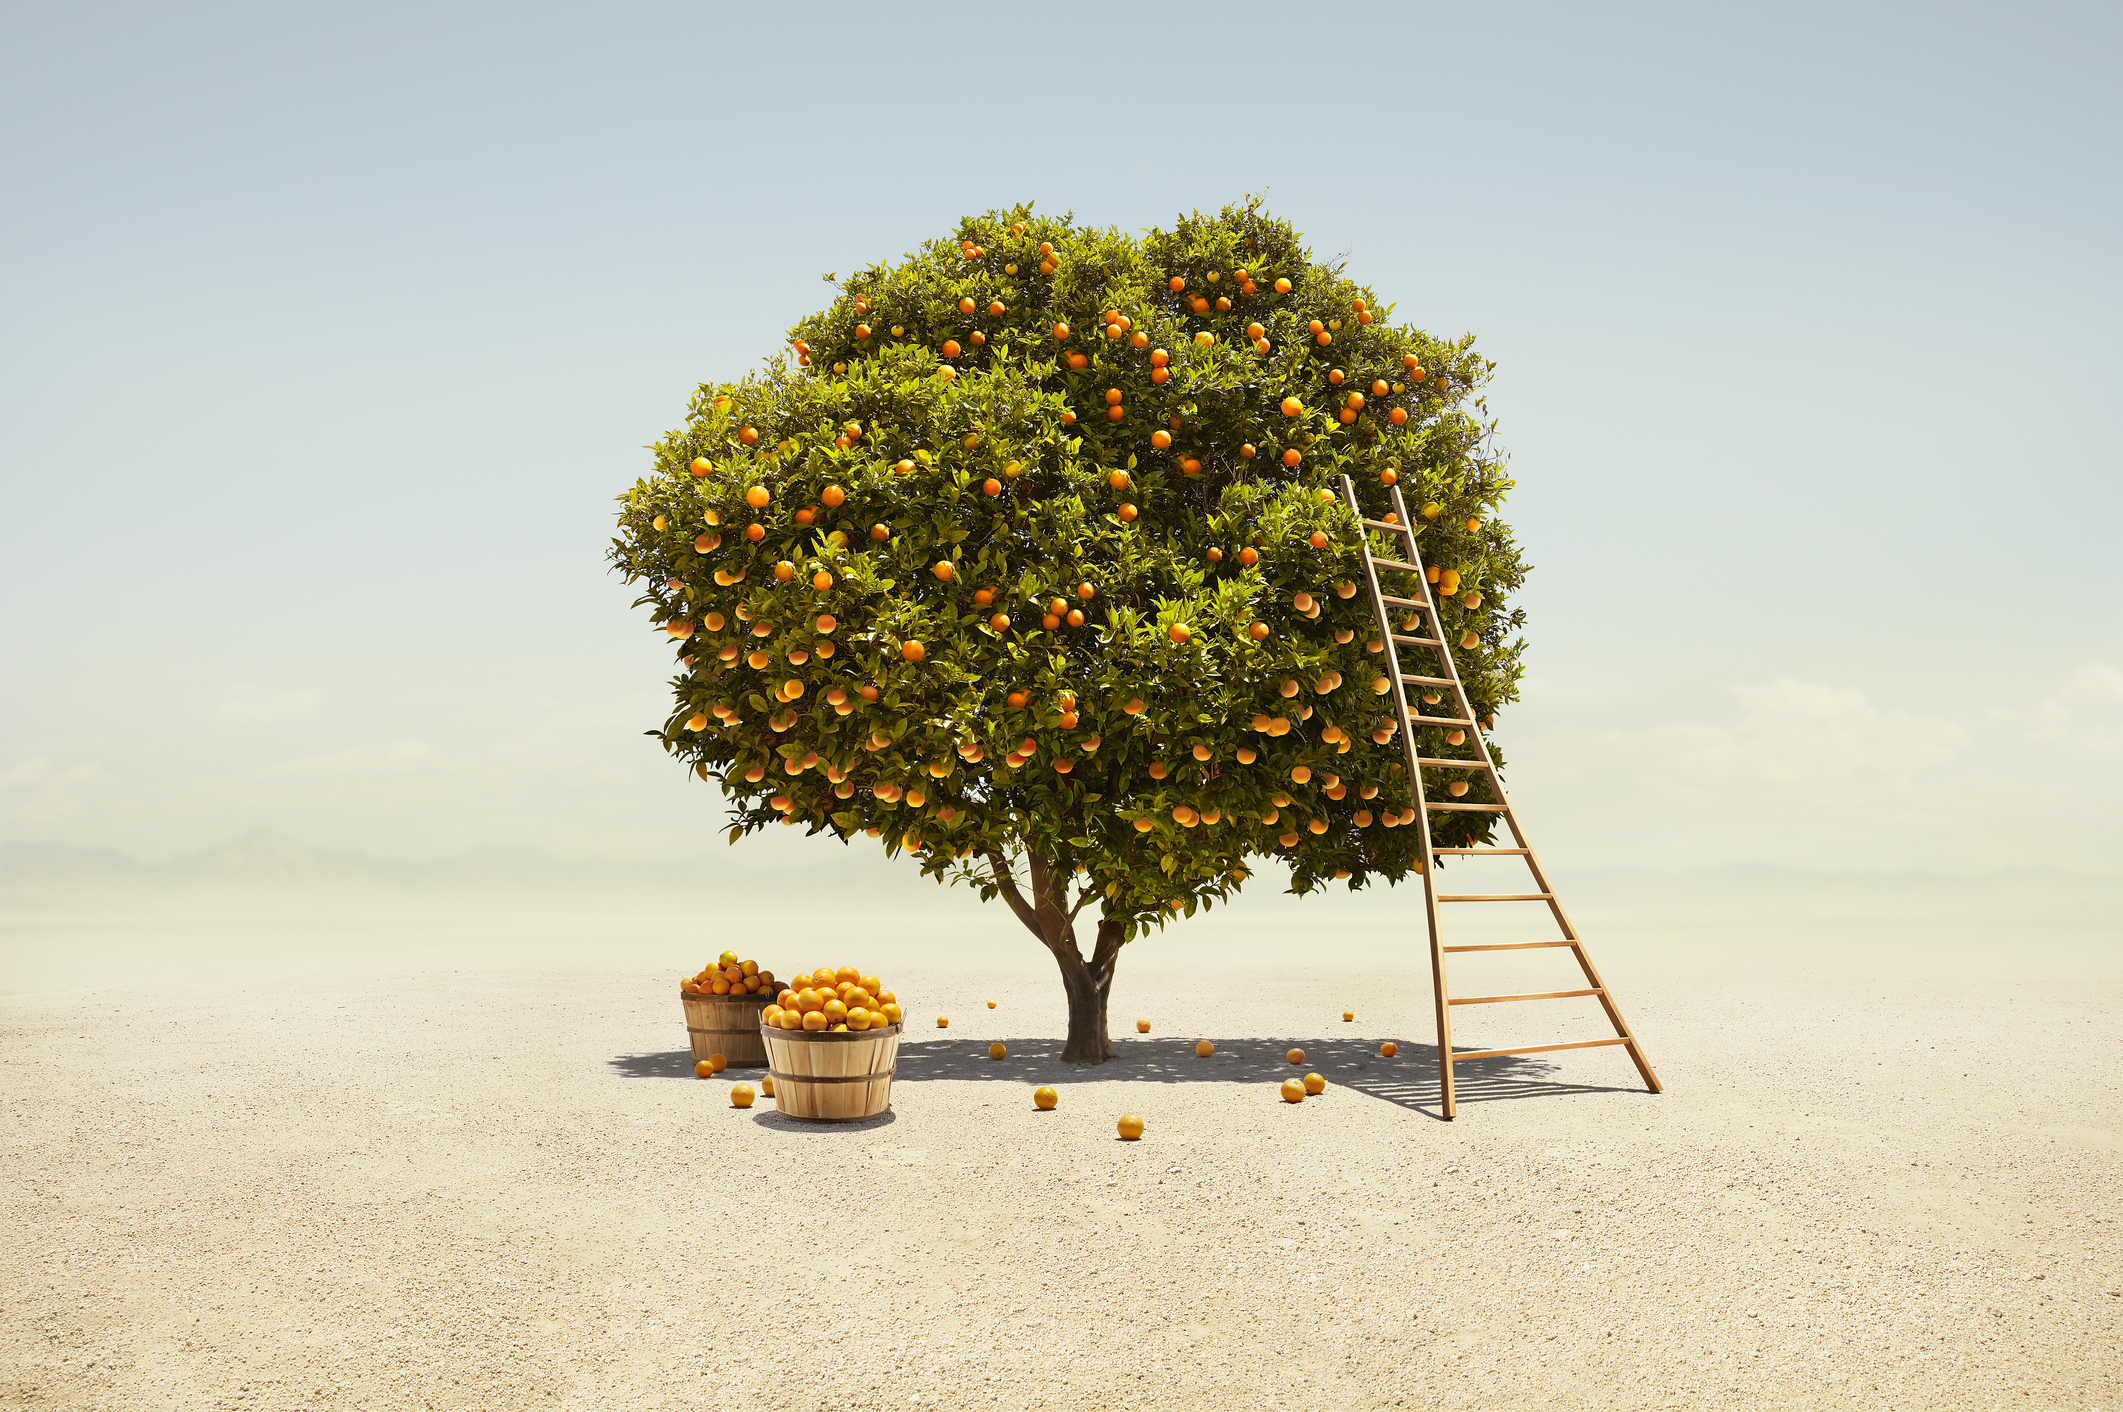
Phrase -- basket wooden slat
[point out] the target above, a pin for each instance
(825, 1077)
(727, 1025)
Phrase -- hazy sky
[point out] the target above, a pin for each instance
(326, 338)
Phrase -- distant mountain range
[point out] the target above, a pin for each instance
(267, 865)
(263, 868)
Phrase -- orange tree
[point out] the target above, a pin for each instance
(1030, 562)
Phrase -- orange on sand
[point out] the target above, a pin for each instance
(991, 1005)
(1296, 1056)
(996, 1050)
(1044, 1097)
(1293, 1091)
(741, 1096)
(717, 1063)
(1203, 1048)
(1131, 1127)
(1142, 1027)
(943, 1022)
(1315, 1083)
(766, 1085)
(1348, 1015)
(703, 1070)
(1388, 1049)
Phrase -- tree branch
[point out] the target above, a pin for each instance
(1007, 881)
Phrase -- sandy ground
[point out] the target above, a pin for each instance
(1885, 1174)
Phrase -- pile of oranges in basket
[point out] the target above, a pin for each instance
(729, 976)
(833, 1000)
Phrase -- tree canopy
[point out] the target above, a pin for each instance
(1031, 552)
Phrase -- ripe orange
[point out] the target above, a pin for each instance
(1044, 1097)
(1296, 1056)
(1292, 407)
(1131, 1127)
(702, 466)
(1161, 439)
(1203, 1048)
(943, 1022)
(741, 1096)
(1118, 480)
(996, 1050)
(943, 570)
(757, 497)
(704, 1069)
(717, 1063)
(1126, 512)
(913, 651)
(1061, 333)
(1292, 457)
(1282, 286)
(1249, 556)
(1314, 1084)
(1293, 1091)
(1142, 1027)
(1348, 1015)
(766, 1085)
(991, 486)
(749, 435)
(1179, 632)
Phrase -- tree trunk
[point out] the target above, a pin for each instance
(1087, 982)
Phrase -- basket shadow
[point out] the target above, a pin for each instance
(1408, 1080)
(669, 1064)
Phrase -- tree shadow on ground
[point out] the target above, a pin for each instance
(1408, 1080)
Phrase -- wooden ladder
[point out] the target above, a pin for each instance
(1392, 642)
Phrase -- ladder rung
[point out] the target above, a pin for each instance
(1542, 995)
(1418, 641)
(1396, 564)
(1437, 720)
(1390, 526)
(1472, 808)
(1516, 852)
(1454, 764)
(1403, 602)
(1537, 1049)
(1426, 681)
(1498, 897)
(1510, 946)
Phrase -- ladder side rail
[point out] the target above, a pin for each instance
(1447, 1098)
(1533, 861)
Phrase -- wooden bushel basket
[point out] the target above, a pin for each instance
(727, 1025)
(832, 1078)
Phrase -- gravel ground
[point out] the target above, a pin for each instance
(1881, 1177)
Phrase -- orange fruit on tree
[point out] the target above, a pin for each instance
(1130, 1126)
(1293, 1091)
(1179, 632)
(913, 652)
(1044, 1097)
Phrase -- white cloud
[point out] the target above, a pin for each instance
(2088, 711)
(258, 704)
(38, 791)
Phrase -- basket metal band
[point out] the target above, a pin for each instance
(779, 1077)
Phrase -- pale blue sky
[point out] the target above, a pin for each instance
(326, 339)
